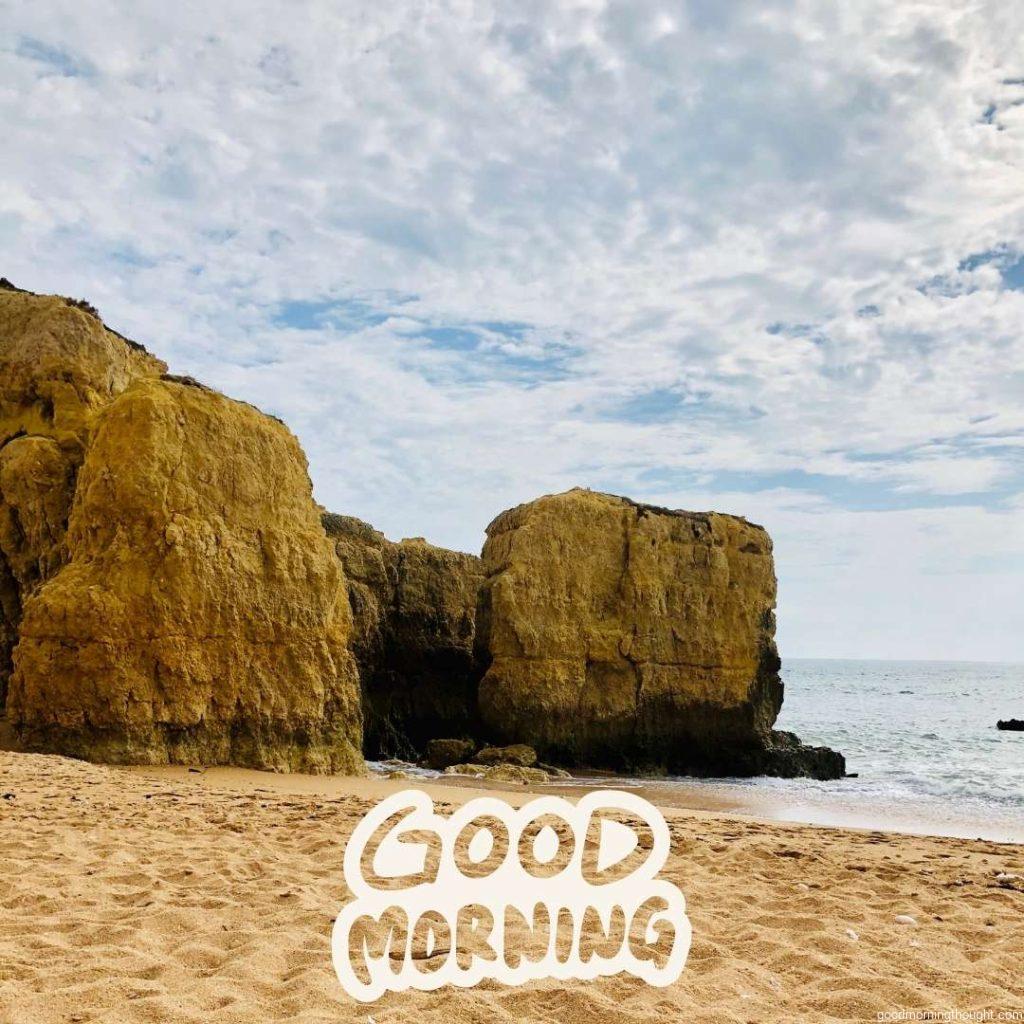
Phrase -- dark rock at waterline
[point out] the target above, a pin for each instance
(1011, 725)
(788, 758)
(441, 754)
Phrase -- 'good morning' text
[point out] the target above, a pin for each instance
(552, 889)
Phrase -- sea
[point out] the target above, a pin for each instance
(920, 737)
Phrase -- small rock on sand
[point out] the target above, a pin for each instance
(905, 919)
(518, 754)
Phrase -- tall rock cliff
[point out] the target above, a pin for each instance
(627, 636)
(166, 581)
(59, 366)
(414, 609)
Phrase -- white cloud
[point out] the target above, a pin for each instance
(731, 238)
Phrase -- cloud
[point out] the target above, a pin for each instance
(474, 252)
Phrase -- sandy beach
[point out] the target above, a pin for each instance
(163, 895)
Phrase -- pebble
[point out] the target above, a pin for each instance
(802, 886)
(905, 919)
(852, 934)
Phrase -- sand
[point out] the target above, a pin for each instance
(162, 895)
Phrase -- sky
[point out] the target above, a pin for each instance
(765, 258)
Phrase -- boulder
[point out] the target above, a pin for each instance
(517, 753)
(521, 774)
(188, 607)
(499, 773)
(786, 757)
(626, 636)
(414, 608)
(1010, 725)
(443, 753)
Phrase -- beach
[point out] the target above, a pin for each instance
(169, 895)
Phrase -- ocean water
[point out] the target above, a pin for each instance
(915, 729)
(921, 737)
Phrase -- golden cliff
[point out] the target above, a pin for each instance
(623, 635)
(59, 367)
(170, 594)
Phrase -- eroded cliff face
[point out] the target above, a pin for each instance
(167, 584)
(627, 636)
(59, 367)
(414, 608)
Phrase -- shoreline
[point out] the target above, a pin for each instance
(766, 799)
(741, 799)
(799, 801)
(788, 801)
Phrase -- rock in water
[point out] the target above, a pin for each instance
(414, 607)
(1010, 725)
(190, 607)
(632, 637)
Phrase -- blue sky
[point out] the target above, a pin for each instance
(766, 258)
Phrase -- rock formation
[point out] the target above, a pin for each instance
(627, 636)
(518, 754)
(170, 592)
(441, 753)
(59, 366)
(185, 603)
(414, 609)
